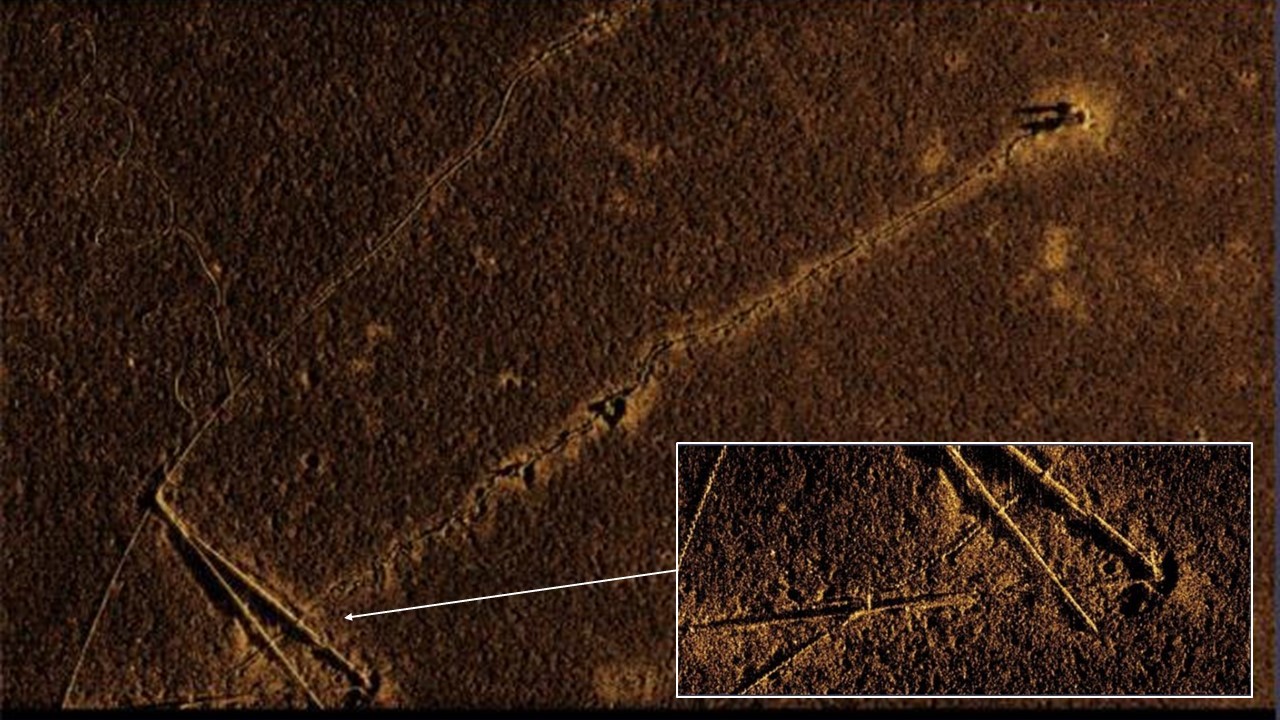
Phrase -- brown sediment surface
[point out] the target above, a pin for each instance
(315, 309)
(923, 570)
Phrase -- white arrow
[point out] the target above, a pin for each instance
(353, 616)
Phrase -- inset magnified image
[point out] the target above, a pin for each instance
(964, 570)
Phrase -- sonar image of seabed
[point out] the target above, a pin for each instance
(965, 570)
(316, 312)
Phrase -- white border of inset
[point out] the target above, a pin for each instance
(969, 697)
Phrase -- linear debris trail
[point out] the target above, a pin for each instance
(702, 501)
(247, 616)
(925, 602)
(596, 25)
(218, 310)
(783, 659)
(112, 586)
(200, 702)
(224, 571)
(966, 536)
(595, 418)
(977, 487)
(867, 607)
(1089, 518)
(292, 619)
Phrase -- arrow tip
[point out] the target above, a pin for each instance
(350, 616)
